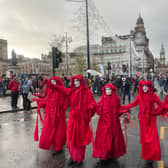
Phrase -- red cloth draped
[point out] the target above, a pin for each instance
(147, 120)
(82, 108)
(54, 125)
(109, 141)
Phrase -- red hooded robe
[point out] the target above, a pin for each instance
(149, 138)
(54, 128)
(109, 141)
(82, 109)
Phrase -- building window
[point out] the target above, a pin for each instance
(139, 35)
(113, 44)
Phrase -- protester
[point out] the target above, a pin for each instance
(126, 88)
(54, 124)
(149, 138)
(109, 141)
(82, 109)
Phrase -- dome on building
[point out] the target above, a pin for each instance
(140, 20)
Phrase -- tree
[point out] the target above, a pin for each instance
(14, 58)
(94, 64)
(80, 64)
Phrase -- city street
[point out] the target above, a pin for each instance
(18, 149)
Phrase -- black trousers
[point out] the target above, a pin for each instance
(128, 94)
(14, 99)
(26, 102)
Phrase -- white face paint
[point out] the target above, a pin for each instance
(145, 88)
(108, 91)
(76, 83)
(123, 79)
(53, 82)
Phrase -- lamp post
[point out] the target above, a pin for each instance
(87, 32)
(130, 57)
(68, 40)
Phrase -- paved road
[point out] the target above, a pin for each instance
(19, 150)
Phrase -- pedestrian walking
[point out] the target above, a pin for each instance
(14, 87)
(82, 109)
(109, 141)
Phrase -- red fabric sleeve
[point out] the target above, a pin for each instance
(99, 106)
(157, 100)
(161, 109)
(92, 103)
(134, 103)
(62, 89)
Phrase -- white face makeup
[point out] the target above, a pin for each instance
(53, 82)
(108, 91)
(145, 88)
(123, 79)
(76, 83)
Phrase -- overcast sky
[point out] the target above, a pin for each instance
(28, 25)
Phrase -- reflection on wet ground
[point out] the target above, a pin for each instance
(19, 150)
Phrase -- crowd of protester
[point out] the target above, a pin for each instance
(25, 84)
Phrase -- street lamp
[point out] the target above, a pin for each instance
(130, 57)
(68, 40)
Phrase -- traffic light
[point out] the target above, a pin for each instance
(57, 57)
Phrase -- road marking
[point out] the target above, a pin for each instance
(161, 164)
(162, 132)
(162, 136)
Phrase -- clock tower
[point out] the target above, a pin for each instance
(162, 57)
(141, 43)
(140, 37)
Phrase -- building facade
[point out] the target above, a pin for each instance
(3, 49)
(3, 56)
(162, 65)
(34, 66)
(131, 51)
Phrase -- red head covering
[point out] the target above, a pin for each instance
(81, 79)
(112, 87)
(150, 89)
(112, 98)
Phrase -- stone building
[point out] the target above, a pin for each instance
(3, 49)
(3, 56)
(34, 66)
(130, 50)
(162, 64)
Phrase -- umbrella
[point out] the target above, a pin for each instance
(94, 73)
(137, 73)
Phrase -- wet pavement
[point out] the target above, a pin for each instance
(19, 150)
(5, 104)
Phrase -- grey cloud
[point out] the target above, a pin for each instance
(29, 24)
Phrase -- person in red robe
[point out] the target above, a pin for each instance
(82, 108)
(54, 124)
(149, 138)
(109, 141)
